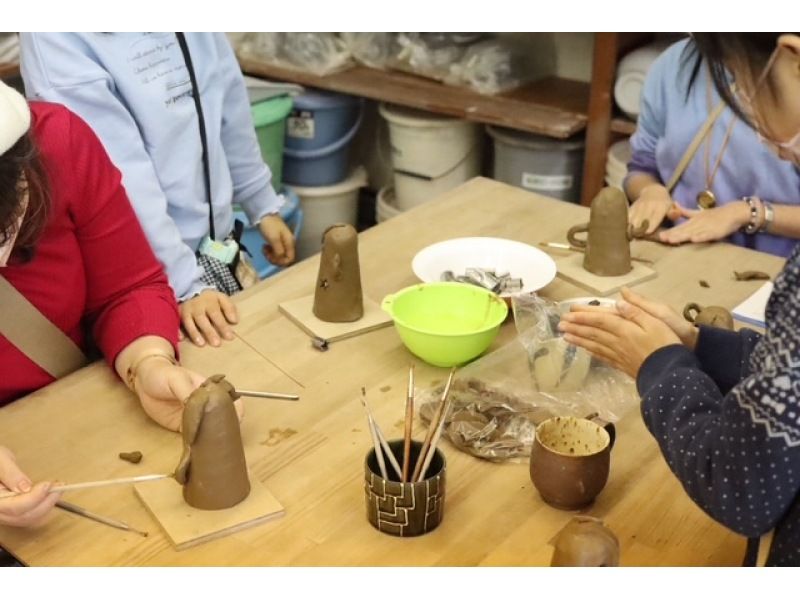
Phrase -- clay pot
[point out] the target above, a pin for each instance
(585, 542)
(713, 315)
(405, 509)
(570, 460)
(607, 245)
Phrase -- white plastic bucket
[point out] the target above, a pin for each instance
(325, 206)
(386, 205)
(431, 154)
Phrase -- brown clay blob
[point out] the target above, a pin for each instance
(607, 246)
(133, 457)
(585, 542)
(714, 315)
(751, 275)
(212, 468)
(338, 296)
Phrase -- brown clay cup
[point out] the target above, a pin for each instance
(404, 509)
(570, 460)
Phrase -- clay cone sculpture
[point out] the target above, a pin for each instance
(212, 469)
(338, 296)
(607, 245)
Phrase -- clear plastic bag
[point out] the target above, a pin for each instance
(374, 50)
(565, 374)
(318, 53)
(489, 67)
(428, 55)
(498, 400)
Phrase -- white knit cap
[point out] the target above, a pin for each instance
(15, 117)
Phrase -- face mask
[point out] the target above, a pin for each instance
(8, 246)
(785, 150)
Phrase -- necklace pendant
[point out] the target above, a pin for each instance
(706, 200)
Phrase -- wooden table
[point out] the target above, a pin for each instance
(310, 454)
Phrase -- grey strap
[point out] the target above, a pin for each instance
(37, 337)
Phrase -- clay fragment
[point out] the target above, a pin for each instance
(133, 457)
(704, 284)
(338, 296)
(751, 275)
(212, 469)
(713, 315)
(585, 542)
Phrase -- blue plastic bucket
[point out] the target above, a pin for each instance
(318, 135)
(292, 215)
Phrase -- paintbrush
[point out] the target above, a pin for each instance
(409, 423)
(436, 435)
(415, 477)
(381, 438)
(267, 395)
(567, 247)
(98, 484)
(374, 433)
(75, 509)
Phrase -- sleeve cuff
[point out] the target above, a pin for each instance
(662, 363)
(720, 355)
(262, 203)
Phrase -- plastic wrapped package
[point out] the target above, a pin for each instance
(498, 400)
(427, 54)
(318, 53)
(374, 50)
(489, 67)
(261, 45)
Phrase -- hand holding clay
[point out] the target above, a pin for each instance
(280, 247)
(712, 224)
(163, 389)
(208, 316)
(28, 509)
(623, 342)
(685, 331)
(653, 205)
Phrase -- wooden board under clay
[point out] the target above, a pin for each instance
(300, 311)
(571, 269)
(187, 526)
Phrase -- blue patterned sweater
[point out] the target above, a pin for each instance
(727, 419)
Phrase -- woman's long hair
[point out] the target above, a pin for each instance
(23, 159)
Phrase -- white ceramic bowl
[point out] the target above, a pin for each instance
(533, 266)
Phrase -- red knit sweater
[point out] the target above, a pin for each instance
(93, 273)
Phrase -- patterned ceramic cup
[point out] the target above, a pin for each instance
(404, 509)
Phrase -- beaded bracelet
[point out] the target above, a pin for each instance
(752, 226)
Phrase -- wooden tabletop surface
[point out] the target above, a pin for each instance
(310, 454)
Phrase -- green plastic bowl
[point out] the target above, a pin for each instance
(446, 323)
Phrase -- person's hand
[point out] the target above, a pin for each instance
(686, 331)
(712, 224)
(163, 389)
(624, 342)
(28, 509)
(208, 316)
(279, 249)
(654, 205)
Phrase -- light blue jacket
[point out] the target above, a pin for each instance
(134, 91)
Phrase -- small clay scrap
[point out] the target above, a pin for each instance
(705, 284)
(134, 457)
(487, 422)
(713, 315)
(585, 542)
(751, 275)
(486, 278)
(212, 469)
(338, 296)
(607, 249)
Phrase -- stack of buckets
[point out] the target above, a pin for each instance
(546, 166)
(269, 118)
(431, 154)
(319, 134)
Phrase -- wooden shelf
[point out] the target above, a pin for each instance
(553, 106)
(623, 125)
(8, 70)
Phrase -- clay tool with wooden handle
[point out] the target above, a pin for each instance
(98, 484)
(374, 433)
(409, 424)
(415, 477)
(76, 510)
(381, 438)
(435, 439)
(267, 395)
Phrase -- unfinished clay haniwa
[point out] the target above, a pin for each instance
(607, 245)
(585, 542)
(713, 315)
(212, 468)
(338, 296)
